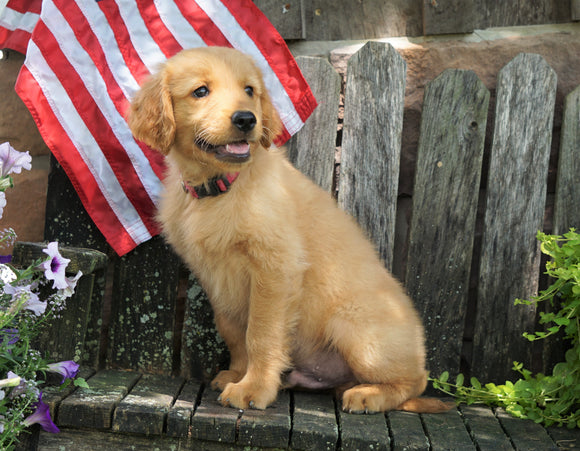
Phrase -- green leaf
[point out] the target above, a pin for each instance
(80, 382)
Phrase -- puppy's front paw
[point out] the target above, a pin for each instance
(244, 395)
(224, 378)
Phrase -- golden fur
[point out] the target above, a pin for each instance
(297, 290)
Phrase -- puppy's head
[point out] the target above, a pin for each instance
(208, 104)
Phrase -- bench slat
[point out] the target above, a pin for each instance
(371, 144)
(525, 434)
(447, 431)
(363, 432)
(268, 428)
(566, 211)
(445, 200)
(516, 193)
(485, 429)
(312, 149)
(144, 409)
(407, 431)
(179, 415)
(93, 407)
(314, 424)
(212, 421)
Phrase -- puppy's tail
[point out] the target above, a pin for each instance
(426, 405)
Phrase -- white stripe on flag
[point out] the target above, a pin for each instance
(144, 44)
(238, 37)
(84, 142)
(115, 61)
(13, 20)
(179, 27)
(84, 67)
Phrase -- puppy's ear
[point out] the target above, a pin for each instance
(271, 123)
(151, 116)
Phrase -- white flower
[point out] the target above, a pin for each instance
(13, 161)
(71, 285)
(2, 203)
(33, 302)
(6, 274)
(54, 267)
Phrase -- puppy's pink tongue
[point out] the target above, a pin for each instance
(238, 148)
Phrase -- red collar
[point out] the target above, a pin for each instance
(213, 187)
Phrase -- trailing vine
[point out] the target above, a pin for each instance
(548, 399)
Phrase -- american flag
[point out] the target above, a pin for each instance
(85, 59)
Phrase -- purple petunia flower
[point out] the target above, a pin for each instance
(42, 416)
(71, 285)
(11, 335)
(54, 267)
(67, 369)
(12, 160)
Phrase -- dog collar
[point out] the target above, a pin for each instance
(213, 187)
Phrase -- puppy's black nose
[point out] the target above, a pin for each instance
(244, 120)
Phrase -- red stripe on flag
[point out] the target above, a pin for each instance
(204, 26)
(132, 59)
(25, 6)
(58, 141)
(97, 124)
(14, 39)
(157, 29)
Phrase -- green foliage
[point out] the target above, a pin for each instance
(547, 399)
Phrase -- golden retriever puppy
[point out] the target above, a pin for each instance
(299, 294)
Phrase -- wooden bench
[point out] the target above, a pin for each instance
(464, 245)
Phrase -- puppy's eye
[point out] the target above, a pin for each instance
(200, 92)
(249, 90)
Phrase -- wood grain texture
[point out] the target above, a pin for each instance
(447, 431)
(448, 16)
(371, 145)
(407, 432)
(312, 149)
(179, 415)
(327, 20)
(575, 9)
(485, 429)
(285, 15)
(491, 13)
(93, 407)
(143, 308)
(314, 424)
(268, 428)
(567, 202)
(515, 202)
(213, 422)
(203, 351)
(445, 199)
(525, 434)
(75, 318)
(359, 432)
(144, 410)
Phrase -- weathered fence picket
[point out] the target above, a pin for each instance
(515, 204)
(157, 319)
(566, 208)
(371, 142)
(313, 150)
(446, 192)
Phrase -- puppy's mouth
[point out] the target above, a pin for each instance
(236, 152)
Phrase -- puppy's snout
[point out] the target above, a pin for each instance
(244, 120)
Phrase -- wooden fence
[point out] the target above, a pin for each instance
(471, 246)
